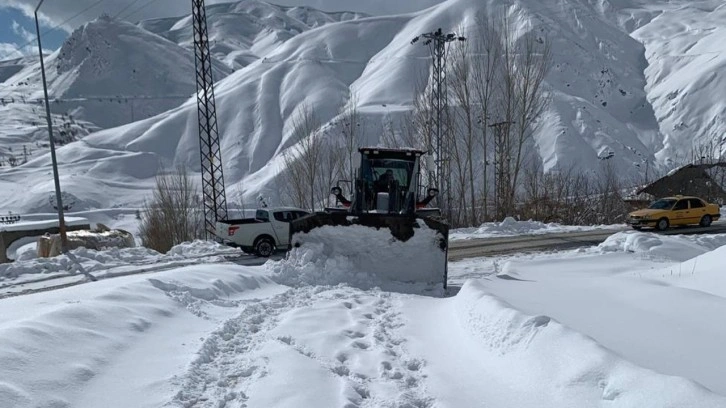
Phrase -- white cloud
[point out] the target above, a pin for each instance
(26, 35)
(9, 51)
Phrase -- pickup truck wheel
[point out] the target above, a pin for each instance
(705, 220)
(662, 224)
(264, 247)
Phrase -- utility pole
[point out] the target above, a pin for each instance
(56, 179)
(214, 196)
(437, 42)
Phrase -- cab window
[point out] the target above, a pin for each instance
(696, 203)
(681, 205)
(262, 215)
(284, 216)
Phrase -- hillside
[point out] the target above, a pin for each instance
(112, 72)
(606, 96)
(243, 32)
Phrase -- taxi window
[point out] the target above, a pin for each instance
(681, 205)
(696, 203)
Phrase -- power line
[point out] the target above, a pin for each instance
(150, 2)
(128, 6)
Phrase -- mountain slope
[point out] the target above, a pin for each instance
(597, 85)
(245, 31)
(105, 61)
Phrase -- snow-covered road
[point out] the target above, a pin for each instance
(631, 323)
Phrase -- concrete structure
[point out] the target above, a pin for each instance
(13, 232)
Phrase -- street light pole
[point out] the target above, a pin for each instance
(56, 180)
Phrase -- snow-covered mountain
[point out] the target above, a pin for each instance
(612, 84)
(243, 32)
(112, 72)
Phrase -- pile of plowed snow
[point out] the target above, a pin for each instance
(92, 260)
(512, 227)
(545, 356)
(666, 247)
(363, 257)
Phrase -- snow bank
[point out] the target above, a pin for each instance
(512, 227)
(93, 260)
(705, 273)
(545, 356)
(667, 247)
(362, 257)
(53, 346)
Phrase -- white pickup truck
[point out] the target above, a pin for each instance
(262, 235)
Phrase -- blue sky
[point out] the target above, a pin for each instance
(17, 29)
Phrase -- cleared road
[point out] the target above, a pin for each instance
(472, 248)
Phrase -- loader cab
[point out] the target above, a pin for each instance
(388, 181)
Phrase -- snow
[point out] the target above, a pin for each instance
(512, 227)
(615, 325)
(243, 32)
(27, 268)
(42, 224)
(610, 83)
(362, 257)
(671, 247)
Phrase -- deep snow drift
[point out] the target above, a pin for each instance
(587, 328)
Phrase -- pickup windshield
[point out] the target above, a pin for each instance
(662, 204)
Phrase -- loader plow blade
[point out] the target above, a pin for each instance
(382, 247)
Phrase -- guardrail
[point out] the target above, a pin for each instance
(9, 219)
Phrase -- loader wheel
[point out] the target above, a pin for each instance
(662, 224)
(705, 221)
(264, 247)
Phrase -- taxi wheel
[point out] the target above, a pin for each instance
(705, 221)
(662, 224)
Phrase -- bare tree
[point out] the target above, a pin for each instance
(333, 165)
(462, 85)
(173, 215)
(302, 160)
(485, 63)
(352, 131)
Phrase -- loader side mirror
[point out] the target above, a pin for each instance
(433, 192)
(336, 191)
(430, 164)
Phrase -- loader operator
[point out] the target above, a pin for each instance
(383, 183)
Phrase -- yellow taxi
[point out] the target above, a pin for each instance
(678, 210)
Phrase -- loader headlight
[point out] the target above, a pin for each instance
(433, 192)
(336, 191)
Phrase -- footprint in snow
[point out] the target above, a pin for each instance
(353, 334)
